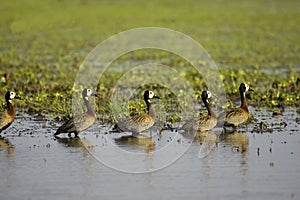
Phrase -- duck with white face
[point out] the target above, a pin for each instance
(204, 123)
(9, 114)
(139, 123)
(82, 121)
(240, 115)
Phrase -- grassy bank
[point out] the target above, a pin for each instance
(43, 44)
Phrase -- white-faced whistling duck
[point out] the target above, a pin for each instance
(204, 123)
(9, 114)
(82, 121)
(239, 115)
(139, 123)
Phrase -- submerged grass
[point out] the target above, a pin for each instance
(43, 44)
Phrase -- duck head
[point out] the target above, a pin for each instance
(206, 95)
(245, 88)
(148, 94)
(88, 92)
(9, 96)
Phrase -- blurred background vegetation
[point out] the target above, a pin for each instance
(43, 43)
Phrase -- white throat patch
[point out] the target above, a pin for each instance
(208, 94)
(247, 87)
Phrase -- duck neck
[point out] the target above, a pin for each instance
(88, 106)
(244, 103)
(150, 109)
(209, 108)
(10, 108)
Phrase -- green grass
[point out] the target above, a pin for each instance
(43, 44)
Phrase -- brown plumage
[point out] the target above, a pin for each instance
(204, 123)
(139, 123)
(82, 121)
(9, 114)
(238, 115)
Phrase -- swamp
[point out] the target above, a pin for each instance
(44, 45)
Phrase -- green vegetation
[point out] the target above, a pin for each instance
(43, 44)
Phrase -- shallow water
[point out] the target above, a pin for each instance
(245, 164)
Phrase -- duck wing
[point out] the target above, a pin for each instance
(136, 124)
(236, 116)
(76, 124)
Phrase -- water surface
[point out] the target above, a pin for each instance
(245, 164)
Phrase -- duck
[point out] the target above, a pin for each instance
(8, 115)
(139, 123)
(82, 121)
(239, 115)
(204, 123)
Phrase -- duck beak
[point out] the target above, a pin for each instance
(251, 90)
(18, 97)
(94, 94)
(156, 97)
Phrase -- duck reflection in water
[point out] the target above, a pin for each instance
(6, 145)
(199, 136)
(207, 139)
(74, 142)
(238, 140)
(136, 141)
